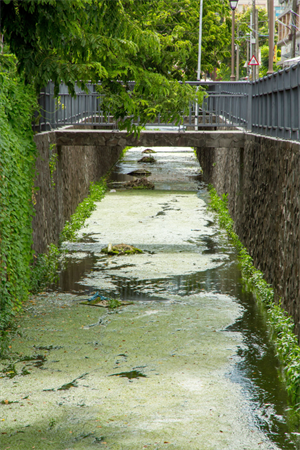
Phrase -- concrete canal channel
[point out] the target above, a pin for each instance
(185, 364)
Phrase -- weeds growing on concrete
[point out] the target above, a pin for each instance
(45, 270)
(281, 325)
(83, 211)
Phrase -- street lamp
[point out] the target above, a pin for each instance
(233, 5)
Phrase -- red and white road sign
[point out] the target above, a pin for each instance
(253, 62)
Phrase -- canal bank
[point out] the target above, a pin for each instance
(187, 364)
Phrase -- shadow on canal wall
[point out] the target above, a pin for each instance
(262, 180)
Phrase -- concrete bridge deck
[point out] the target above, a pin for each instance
(210, 139)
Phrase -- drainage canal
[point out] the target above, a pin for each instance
(183, 363)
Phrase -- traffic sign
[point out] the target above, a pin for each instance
(253, 62)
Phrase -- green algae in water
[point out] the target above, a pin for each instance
(67, 386)
(129, 375)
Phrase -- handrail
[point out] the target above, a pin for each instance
(269, 106)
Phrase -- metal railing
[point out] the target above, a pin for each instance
(220, 108)
(269, 106)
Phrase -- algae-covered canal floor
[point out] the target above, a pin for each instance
(186, 364)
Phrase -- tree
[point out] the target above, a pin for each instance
(263, 69)
(153, 42)
(85, 40)
(177, 24)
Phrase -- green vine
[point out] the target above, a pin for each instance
(281, 325)
(17, 168)
(52, 163)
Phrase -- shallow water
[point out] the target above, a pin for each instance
(186, 365)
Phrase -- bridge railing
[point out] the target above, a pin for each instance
(269, 106)
(220, 108)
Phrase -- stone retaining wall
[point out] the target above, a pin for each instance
(77, 166)
(262, 179)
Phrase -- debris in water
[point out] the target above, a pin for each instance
(139, 183)
(120, 249)
(140, 172)
(149, 150)
(94, 297)
(147, 159)
(110, 303)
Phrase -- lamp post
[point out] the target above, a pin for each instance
(271, 35)
(233, 5)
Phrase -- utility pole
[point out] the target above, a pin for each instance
(271, 35)
(248, 57)
(253, 38)
(199, 61)
(238, 55)
(294, 28)
(200, 41)
(256, 44)
(232, 76)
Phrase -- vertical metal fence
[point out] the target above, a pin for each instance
(269, 106)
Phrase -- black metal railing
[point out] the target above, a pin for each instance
(269, 106)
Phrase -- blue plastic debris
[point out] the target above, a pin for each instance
(94, 297)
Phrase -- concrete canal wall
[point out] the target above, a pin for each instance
(262, 179)
(76, 167)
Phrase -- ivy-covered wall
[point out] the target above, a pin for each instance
(17, 167)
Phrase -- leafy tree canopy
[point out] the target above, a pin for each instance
(153, 42)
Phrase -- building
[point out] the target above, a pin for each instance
(244, 4)
(285, 30)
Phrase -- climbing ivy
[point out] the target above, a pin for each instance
(281, 325)
(17, 166)
(52, 163)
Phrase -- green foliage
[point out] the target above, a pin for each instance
(52, 163)
(83, 211)
(153, 42)
(17, 165)
(113, 303)
(44, 272)
(282, 326)
(263, 69)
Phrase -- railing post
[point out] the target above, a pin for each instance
(249, 108)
